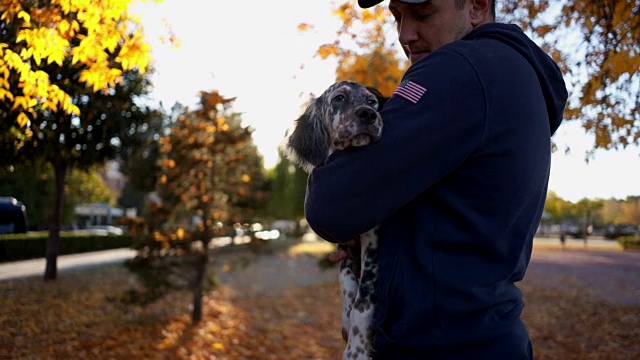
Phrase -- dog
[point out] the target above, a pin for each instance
(345, 115)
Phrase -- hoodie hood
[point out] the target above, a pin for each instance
(548, 72)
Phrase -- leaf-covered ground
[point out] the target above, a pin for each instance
(251, 317)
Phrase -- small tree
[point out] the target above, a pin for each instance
(208, 164)
(585, 210)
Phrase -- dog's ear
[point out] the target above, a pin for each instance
(308, 145)
(381, 98)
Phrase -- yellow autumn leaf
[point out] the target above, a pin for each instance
(64, 26)
(20, 102)
(58, 58)
(22, 119)
(5, 94)
(24, 16)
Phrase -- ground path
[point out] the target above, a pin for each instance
(606, 275)
(599, 267)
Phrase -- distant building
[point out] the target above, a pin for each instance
(87, 215)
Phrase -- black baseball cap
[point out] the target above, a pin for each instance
(369, 3)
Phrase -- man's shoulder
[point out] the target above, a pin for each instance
(493, 52)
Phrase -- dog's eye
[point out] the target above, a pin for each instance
(372, 102)
(339, 98)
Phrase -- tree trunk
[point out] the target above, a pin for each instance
(53, 242)
(201, 269)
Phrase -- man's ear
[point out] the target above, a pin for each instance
(480, 12)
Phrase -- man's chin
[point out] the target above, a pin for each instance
(415, 57)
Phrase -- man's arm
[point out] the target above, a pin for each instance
(422, 142)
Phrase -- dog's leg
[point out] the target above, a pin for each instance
(348, 278)
(361, 315)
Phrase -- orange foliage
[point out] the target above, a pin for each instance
(380, 70)
(596, 43)
(364, 52)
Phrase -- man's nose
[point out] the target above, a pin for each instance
(407, 32)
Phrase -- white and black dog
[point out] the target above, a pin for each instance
(346, 114)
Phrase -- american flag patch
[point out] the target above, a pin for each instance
(410, 91)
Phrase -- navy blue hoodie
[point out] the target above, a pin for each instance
(458, 184)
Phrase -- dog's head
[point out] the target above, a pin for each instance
(346, 114)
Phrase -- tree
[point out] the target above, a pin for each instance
(557, 209)
(208, 161)
(100, 38)
(584, 211)
(33, 186)
(138, 160)
(597, 44)
(209, 168)
(365, 53)
(289, 184)
(85, 187)
(621, 217)
(630, 211)
(610, 212)
(71, 73)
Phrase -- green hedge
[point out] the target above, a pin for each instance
(629, 242)
(29, 246)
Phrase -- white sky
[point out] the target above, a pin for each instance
(253, 51)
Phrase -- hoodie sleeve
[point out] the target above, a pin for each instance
(426, 135)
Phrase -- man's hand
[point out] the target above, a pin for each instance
(337, 255)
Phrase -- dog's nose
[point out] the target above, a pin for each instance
(366, 115)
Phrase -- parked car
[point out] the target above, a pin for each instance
(615, 231)
(105, 230)
(13, 216)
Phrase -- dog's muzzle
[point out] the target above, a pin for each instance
(366, 116)
(362, 127)
(368, 124)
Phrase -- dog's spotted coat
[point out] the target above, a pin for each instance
(345, 115)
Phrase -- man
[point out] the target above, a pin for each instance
(457, 182)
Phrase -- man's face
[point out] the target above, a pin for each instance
(423, 28)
